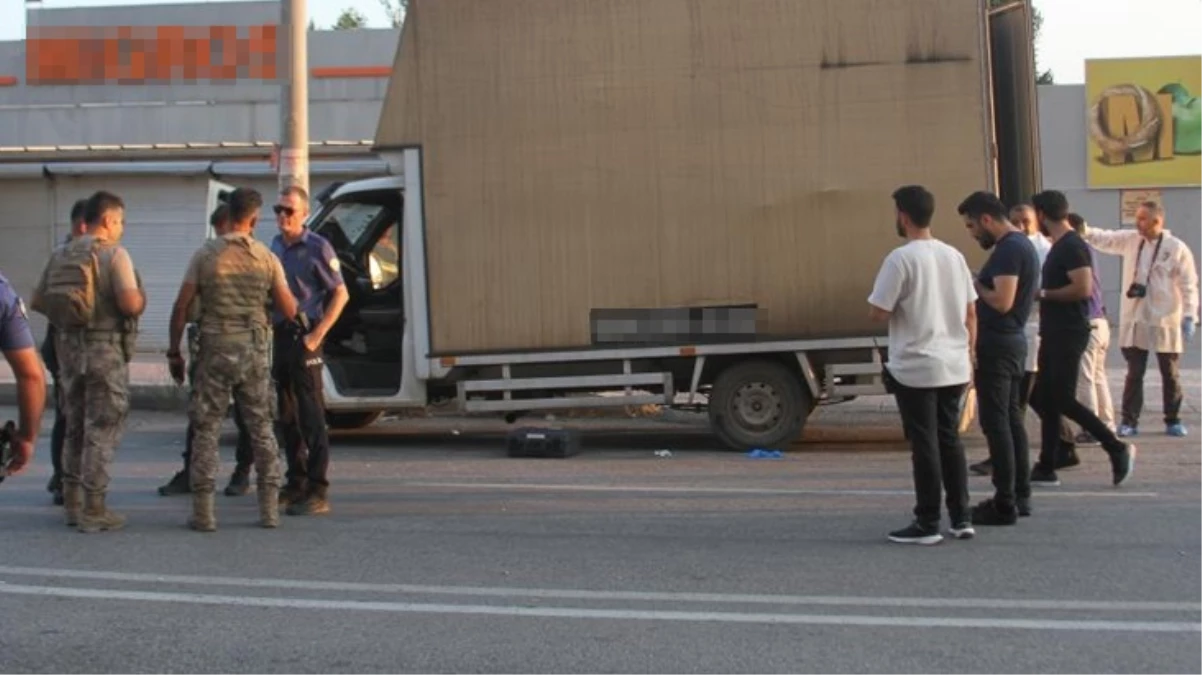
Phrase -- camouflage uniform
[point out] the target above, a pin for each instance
(95, 376)
(233, 276)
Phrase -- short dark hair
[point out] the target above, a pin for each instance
(99, 204)
(916, 202)
(220, 215)
(243, 204)
(1077, 222)
(1052, 203)
(982, 203)
(296, 190)
(1155, 207)
(77, 210)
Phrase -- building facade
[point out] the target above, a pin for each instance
(163, 104)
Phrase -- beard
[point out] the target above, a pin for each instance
(1043, 229)
(987, 241)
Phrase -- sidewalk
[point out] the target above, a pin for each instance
(151, 388)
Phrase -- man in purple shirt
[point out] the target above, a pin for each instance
(315, 278)
(1093, 388)
(16, 341)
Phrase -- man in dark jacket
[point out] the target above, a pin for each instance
(50, 357)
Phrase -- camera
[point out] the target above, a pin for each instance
(1136, 291)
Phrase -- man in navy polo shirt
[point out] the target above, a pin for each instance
(315, 278)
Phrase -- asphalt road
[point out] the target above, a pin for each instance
(442, 555)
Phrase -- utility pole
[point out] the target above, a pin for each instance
(294, 95)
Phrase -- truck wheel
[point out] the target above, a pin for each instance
(344, 420)
(758, 404)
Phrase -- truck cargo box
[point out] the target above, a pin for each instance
(638, 154)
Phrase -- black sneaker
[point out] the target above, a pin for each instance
(180, 484)
(1043, 477)
(916, 534)
(962, 529)
(1023, 506)
(1068, 460)
(1122, 464)
(983, 468)
(989, 513)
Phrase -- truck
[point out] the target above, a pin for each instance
(672, 202)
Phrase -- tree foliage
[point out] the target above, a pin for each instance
(395, 9)
(350, 18)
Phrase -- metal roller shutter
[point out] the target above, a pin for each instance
(28, 208)
(165, 222)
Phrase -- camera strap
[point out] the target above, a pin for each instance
(1155, 252)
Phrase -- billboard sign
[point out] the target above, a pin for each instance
(1144, 122)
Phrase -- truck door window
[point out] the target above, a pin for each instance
(348, 222)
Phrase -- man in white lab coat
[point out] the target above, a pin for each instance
(1159, 310)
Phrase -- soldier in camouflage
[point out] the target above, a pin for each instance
(181, 482)
(233, 276)
(94, 364)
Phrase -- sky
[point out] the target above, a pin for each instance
(1073, 30)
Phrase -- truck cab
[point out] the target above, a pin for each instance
(369, 352)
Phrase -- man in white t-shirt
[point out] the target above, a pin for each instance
(925, 291)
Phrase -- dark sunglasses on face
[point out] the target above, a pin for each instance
(285, 210)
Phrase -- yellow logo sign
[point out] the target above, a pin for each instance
(1145, 122)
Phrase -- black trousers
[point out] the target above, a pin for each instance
(302, 418)
(1002, 394)
(58, 435)
(243, 453)
(1055, 396)
(931, 418)
(1133, 388)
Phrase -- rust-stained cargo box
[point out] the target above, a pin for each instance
(589, 154)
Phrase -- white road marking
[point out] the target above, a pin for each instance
(581, 594)
(669, 489)
(609, 614)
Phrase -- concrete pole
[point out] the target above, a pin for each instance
(294, 95)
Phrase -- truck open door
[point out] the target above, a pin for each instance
(1015, 101)
(363, 351)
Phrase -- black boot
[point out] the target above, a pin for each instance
(239, 483)
(180, 484)
(55, 488)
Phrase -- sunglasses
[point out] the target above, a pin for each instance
(283, 210)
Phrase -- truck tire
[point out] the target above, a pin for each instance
(345, 420)
(758, 404)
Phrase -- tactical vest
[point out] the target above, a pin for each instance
(234, 282)
(66, 271)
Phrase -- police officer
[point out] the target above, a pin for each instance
(232, 276)
(315, 278)
(93, 357)
(16, 341)
(50, 356)
(239, 484)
